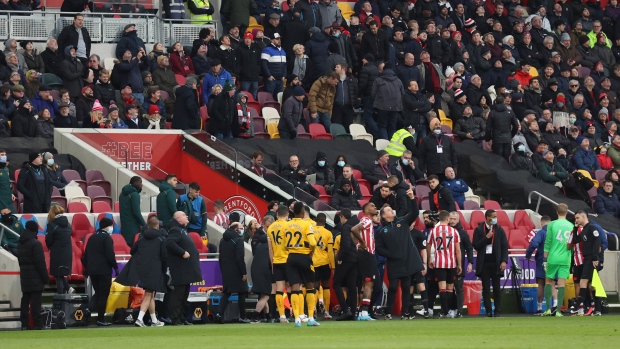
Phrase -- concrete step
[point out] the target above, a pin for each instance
(10, 325)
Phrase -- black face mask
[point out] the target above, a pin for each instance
(6, 217)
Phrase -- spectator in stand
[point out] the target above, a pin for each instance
(130, 41)
(84, 103)
(347, 174)
(273, 66)
(154, 119)
(17, 95)
(186, 108)
(292, 112)
(130, 67)
(321, 99)
(32, 82)
(33, 276)
(257, 164)
(415, 109)
(65, 98)
(10, 46)
(344, 197)
(242, 125)
(94, 64)
(402, 140)
(330, 13)
(52, 57)
(469, 126)
(220, 218)
(437, 152)
(184, 264)
(158, 50)
(95, 118)
(32, 57)
(614, 152)
(549, 170)
(457, 187)
(324, 173)
(237, 13)
(202, 63)
(201, 11)
(126, 99)
(405, 169)
(607, 201)
(24, 123)
(11, 68)
(603, 159)
(154, 98)
(223, 112)
(502, 125)
(226, 53)
(520, 160)
(440, 197)
(367, 76)
(163, 76)
(273, 26)
(46, 124)
(131, 215)
(296, 175)
(584, 157)
(64, 119)
(383, 195)
(380, 170)
(114, 116)
(147, 81)
(346, 97)
(60, 245)
(103, 89)
(375, 41)
(44, 100)
(387, 92)
(35, 184)
(71, 72)
(76, 36)
(180, 62)
(249, 61)
(216, 76)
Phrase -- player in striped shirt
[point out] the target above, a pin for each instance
(557, 256)
(589, 243)
(367, 262)
(447, 262)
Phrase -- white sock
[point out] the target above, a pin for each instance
(555, 302)
(141, 315)
(297, 319)
(154, 318)
(364, 313)
(539, 306)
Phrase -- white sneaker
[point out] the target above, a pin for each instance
(430, 311)
(420, 312)
(451, 314)
(303, 318)
(157, 324)
(139, 323)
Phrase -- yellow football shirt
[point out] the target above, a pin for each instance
(276, 232)
(324, 244)
(299, 237)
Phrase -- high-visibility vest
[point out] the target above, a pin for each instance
(200, 18)
(396, 147)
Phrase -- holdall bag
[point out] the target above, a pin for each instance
(125, 316)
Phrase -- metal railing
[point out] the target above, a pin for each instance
(102, 27)
(6, 230)
(540, 198)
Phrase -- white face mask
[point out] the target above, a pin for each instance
(109, 229)
(241, 231)
(50, 162)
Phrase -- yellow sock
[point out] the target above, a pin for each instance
(300, 303)
(326, 298)
(345, 293)
(310, 299)
(295, 304)
(280, 303)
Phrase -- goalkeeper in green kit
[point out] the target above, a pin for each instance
(557, 256)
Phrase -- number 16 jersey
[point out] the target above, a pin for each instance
(276, 233)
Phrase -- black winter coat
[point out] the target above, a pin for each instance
(182, 271)
(202, 64)
(377, 44)
(37, 198)
(232, 262)
(379, 200)
(129, 41)
(261, 264)
(186, 109)
(58, 241)
(445, 199)
(439, 49)
(104, 93)
(474, 94)
(24, 124)
(473, 125)
(69, 37)
(52, 61)
(341, 199)
(415, 107)
(430, 160)
(348, 250)
(367, 77)
(520, 161)
(316, 50)
(148, 261)
(71, 74)
(83, 107)
(33, 271)
(500, 246)
(393, 241)
(502, 125)
(248, 61)
(223, 112)
(98, 257)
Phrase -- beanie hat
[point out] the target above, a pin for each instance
(112, 108)
(248, 36)
(229, 86)
(449, 72)
(160, 58)
(86, 87)
(256, 30)
(369, 57)
(458, 94)
(47, 156)
(17, 88)
(381, 153)
(469, 23)
(33, 156)
(565, 36)
(603, 111)
(344, 181)
(32, 226)
(30, 74)
(457, 65)
(455, 33)
(145, 74)
(602, 96)
(560, 98)
(580, 139)
(589, 124)
(97, 105)
(583, 39)
(153, 109)
(299, 91)
(609, 124)
(547, 152)
(506, 38)
(105, 222)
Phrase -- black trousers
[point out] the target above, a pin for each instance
(346, 274)
(177, 303)
(224, 304)
(101, 286)
(460, 297)
(342, 114)
(31, 302)
(502, 149)
(489, 274)
(405, 284)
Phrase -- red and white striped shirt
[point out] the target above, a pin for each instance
(444, 239)
(578, 255)
(221, 219)
(368, 234)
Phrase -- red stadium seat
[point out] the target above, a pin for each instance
(323, 196)
(101, 207)
(80, 227)
(73, 175)
(200, 246)
(464, 223)
(365, 192)
(471, 205)
(470, 232)
(503, 220)
(492, 205)
(86, 242)
(117, 206)
(476, 217)
(318, 132)
(120, 245)
(517, 239)
(41, 239)
(180, 79)
(77, 207)
(522, 219)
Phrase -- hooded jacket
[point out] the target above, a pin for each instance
(33, 271)
(58, 241)
(98, 257)
(37, 195)
(24, 124)
(166, 202)
(316, 49)
(183, 271)
(325, 174)
(341, 199)
(502, 125)
(321, 96)
(131, 216)
(129, 41)
(71, 73)
(387, 92)
(585, 159)
(441, 199)
(232, 262)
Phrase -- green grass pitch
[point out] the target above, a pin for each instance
(508, 332)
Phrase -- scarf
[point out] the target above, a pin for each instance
(434, 77)
(244, 119)
(299, 68)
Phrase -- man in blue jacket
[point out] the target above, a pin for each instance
(217, 76)
(44, 100)
(273, 65)
(457, 186)
(537, 243)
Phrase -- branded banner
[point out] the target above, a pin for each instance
(528, 271)
(210, 269)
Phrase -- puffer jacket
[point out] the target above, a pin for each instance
(555, 140)
(104, 93)
(520, 161)
(321, 96)
(342, 199)
(471, 124)
(604, 55)
(129, 41)
(325, 174)
(387, 92)
(273, 62)
(367, 77)
(607, 203)
(439, 49)
(316, 49)
(502, 125)
(585, 159)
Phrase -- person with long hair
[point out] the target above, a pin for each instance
(58, 180)
(58, 241)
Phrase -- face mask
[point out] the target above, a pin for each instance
(321, 163)
(336, 35)
(109, 229)
(413, 132)
(50, 162)
(6, 217)
(572, 120)
(3, 158)
(549, 105)
(405, 162)
(560, 105)
(341, 163)
(521, 148)
(241, 232)
(437, 131)
(276, 8)
(494, 221)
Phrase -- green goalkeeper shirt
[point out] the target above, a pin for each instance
(559, 233)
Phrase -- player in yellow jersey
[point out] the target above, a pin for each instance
(323, 261)
(300, 242)
(276, 233)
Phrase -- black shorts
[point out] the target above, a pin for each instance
(417, 278)
(588, 270)
(366, 266)
(447, 275)
(299, 269)
(577, 271)
(279, 272)
(324, 272)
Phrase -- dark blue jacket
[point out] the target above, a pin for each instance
(39, 104)
(458, 187)
(586, 160)
(129, 41)
(273, 62)
(607, 203)
(131, 74)
(211, 80)
(316, 49)
(538, 244)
